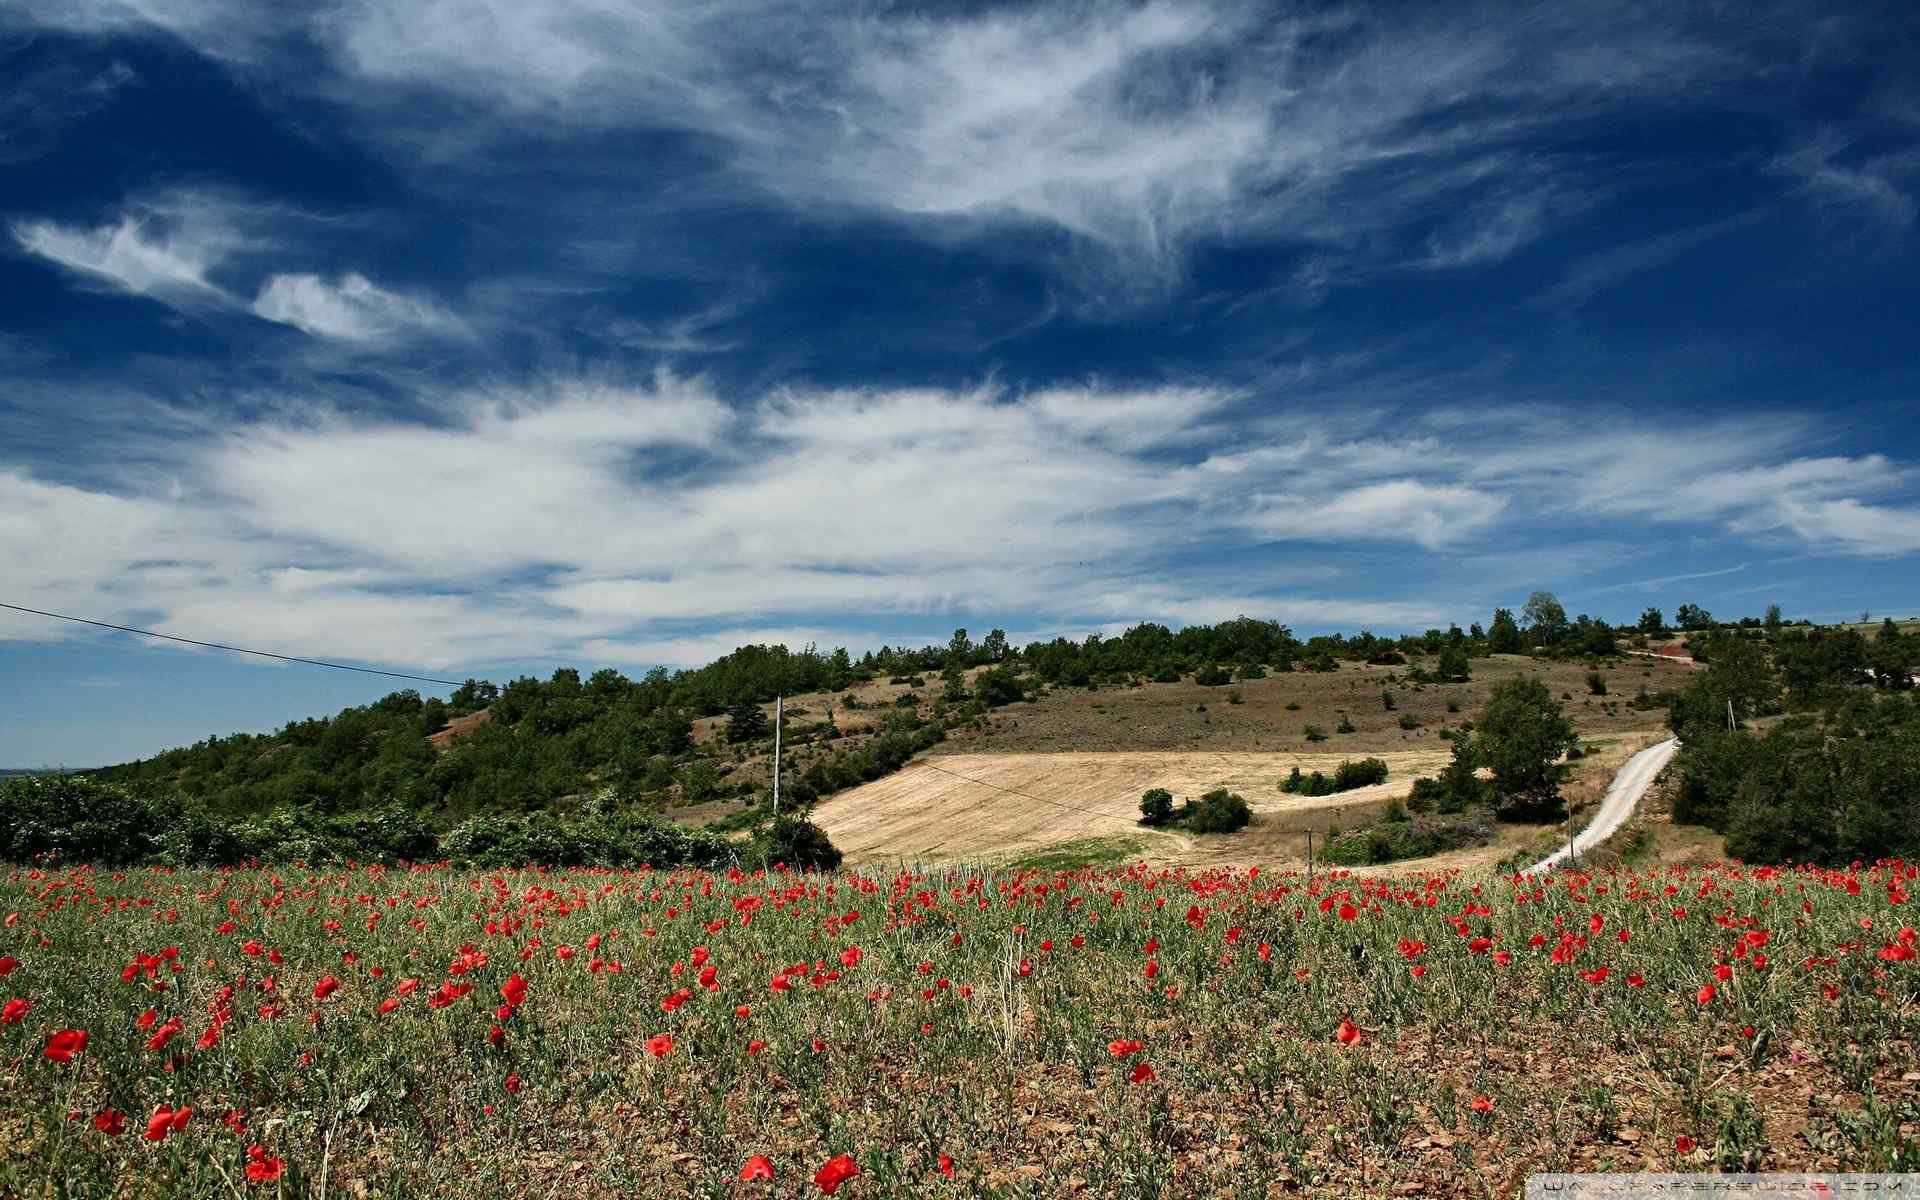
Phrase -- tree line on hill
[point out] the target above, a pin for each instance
(550, 746)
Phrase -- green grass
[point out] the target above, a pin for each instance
(1079, 855)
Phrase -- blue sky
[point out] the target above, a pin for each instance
(486, 336)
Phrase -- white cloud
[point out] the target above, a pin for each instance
(350, 308)
(1139, 128)
(649, 521)
(131, 256)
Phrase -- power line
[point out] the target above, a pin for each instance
(1017, 792)
(311, 662)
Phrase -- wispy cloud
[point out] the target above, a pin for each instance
(350, 308)
(1662, 581)
(1596, 273)
(1877, 185)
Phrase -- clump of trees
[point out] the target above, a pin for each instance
(1218, 811)
(1347, 776)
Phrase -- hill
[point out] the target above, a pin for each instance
(695, 745)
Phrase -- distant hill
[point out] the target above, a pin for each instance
(12, 772)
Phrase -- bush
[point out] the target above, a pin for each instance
(1219, 811)
(1212, 676)
(1345, 726)
(1596, 684)
(1409, 722)
(1314, 733)
(795, 842)
(1234, 697)
(1394, 841)
(1363, 773)
(1156, 807)
(999, 686)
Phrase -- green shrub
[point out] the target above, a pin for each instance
(1357, 774)
(1314, 733)
(1219, 811)
(1345, 726)
(1212, 676)
(1156, 807)
(796, 843)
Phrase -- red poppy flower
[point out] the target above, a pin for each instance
(327, 986)
(515, 990)
(389, 1004)
(8, 964)
(1348, 1033)
(165, 1122)
(1683, 1144)
(837, 1171)
(109, 1122)
(66, 1043)
(946, 1165)
(514, 1083)
(1705, 994)
(1481, 1104)
(1123, 1047)
(261, 1168)
(15, 1010)
(758, 1167)
(660, 1045)
(1142, 1073)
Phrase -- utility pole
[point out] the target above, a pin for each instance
(779, 710)
(1309, 856)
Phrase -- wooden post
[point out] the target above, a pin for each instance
(1309, 856)
(779, 711)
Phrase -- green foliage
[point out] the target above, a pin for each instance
(1386, 699)
(1503, 636)
(1454, 666)
(999, 686)
(795, 842)
(1156, 806)
(1359, 773)
(1313, 733)
(1596, 684)
(1345, 725)
(1810, 790)
(1521, 735)
(599, 839)
(746, 723)
(1396, 840)
(1212, 676)
(1692, 617)
(1219, 811)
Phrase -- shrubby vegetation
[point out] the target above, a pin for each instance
(1392, 841)
(1348, 775)
(73, 818)
(1219, 811)
(1835, 774)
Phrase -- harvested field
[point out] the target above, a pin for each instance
(953, 805)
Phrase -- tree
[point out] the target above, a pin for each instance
(1772, 621)
(1156, 806)
(745, 723)
(993, 647)
(1521, 735)
(1503, 637)
(998, 686)
(1653, 622)
(1454, 666)
(960, 648)
(1692, 617)
(1546, 618)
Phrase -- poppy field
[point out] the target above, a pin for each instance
(369, 1031)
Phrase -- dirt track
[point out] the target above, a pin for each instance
(951, 806)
